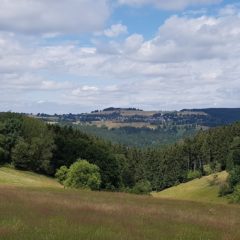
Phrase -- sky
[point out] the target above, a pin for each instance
(62, 56)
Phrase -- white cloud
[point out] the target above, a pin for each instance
(169, 4)
(54, 16)
(191, 62)
(115, 30)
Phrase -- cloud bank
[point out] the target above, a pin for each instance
(190, 62)
(53, 16)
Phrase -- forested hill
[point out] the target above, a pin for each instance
(31, 144)
(139, 128)
(218, 116)
(122, 117)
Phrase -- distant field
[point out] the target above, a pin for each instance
(196, 190)
(14, 177)
(127, 113)
(59, 214)
(113, 124)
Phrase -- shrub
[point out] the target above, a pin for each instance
(61, 174)
(212, 168)
(142, 187)
(235, 198)
(193, 174)
(224, 189)
(82, 174)
(207, 169)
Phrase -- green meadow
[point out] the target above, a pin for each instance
(204, 189)
(37, 207)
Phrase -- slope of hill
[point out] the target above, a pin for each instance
(9, 176)
(56, 214)
(204, 189)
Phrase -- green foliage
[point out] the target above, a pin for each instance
(142, 187)
(193, 174)
(224, 189)
(234, 176)
(207, 169)
(2, 155)
(141, 137)
(82, 174)
(33, 150)
(31, 144)
(235, 197)
(61, 174)
(21, 155)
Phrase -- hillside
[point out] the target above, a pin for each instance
(57, 214)
(134, 127)
(13, 177)
(120, 117)
(200, 190)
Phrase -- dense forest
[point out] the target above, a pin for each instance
(141, 137)
(31, 144)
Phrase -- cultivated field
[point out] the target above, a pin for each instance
(56, 213)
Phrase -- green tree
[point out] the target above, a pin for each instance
(83, 174)
(142, 187)
(61, 174)
(33, 150)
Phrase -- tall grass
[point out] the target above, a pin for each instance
(38, 213)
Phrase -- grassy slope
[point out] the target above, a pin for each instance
(9, 176)
(196, 190)
(56, 213)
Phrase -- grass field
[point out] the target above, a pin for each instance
(12, 177)
(196, 190)
(56, 213)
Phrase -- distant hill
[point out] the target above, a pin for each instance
(218, 116)
(136, 127)
(209, 117)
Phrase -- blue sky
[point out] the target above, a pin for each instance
(63, 56)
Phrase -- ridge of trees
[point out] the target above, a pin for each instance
(31, 144)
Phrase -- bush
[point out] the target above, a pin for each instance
(224, 189)
(193, 174)
(61, 174)
(82, 174)
(235, 198)
(207, 169)
(212, 168)
(142, 187)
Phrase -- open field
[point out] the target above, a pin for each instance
(196, 190)
(56, 213)
(66, 214)
(113, 124)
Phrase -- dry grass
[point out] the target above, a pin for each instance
(67, 214)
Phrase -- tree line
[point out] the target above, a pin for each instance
(31, 144)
